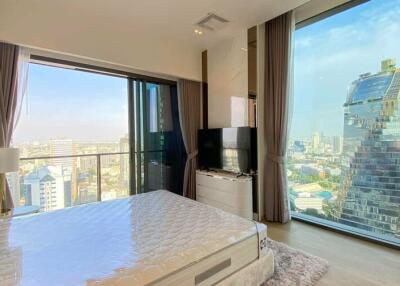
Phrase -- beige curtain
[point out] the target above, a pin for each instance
(278, 34)
(8, 99)
(189, 117)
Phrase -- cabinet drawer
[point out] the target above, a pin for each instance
(245, 213)
(223, 184)
(241, 200)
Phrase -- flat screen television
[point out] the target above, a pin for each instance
(229, 149)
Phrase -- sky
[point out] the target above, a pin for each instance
(63, 103)
(332, 53)
(329, 55)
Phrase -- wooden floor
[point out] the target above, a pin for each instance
(351, 261)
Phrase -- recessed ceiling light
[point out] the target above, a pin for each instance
(198, 32)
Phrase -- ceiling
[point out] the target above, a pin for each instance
(158, 18)
(176, 18)
(93, 26)
(172, 18)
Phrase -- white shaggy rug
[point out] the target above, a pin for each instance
(295, 267)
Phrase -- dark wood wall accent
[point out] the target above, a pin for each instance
(204, 88)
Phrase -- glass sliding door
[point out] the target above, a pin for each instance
(159, 154)
(87, 136)
(73, 138)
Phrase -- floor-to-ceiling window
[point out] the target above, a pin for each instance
(344, 150)
(88, 135)
(73, 137)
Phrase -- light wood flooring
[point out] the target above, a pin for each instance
(352, 261)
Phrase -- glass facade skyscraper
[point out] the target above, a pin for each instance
(369, 196)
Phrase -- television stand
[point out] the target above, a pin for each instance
(230, 192)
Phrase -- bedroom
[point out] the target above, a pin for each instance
(261, 119)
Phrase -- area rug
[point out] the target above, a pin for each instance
(295, 267)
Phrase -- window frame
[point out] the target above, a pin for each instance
(55, 61)
(323, 223)
(80, 66)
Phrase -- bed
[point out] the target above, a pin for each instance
(157, 238)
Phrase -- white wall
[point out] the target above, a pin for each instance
(92, 33)
(227, 83)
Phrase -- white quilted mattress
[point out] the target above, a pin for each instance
(138, 239)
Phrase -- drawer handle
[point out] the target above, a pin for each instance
(212, 271)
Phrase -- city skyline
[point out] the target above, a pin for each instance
(62, 182)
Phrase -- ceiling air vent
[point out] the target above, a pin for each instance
(212, 22)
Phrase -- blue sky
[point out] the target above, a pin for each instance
(63, 103)
(332, 53)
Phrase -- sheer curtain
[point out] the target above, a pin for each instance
(278, 106)
(22, 88)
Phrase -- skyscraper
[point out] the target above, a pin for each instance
(337, 144)
(65, 147)
(316, 141)
(46, 188)
(369, 197)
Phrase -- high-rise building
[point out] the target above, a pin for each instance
(337, 144)
(298, 146)
(65, 147)
(62, 147)
(45, 188)
(369, 198)
(316, 143)
(87, 163)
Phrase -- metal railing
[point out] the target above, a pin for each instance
(98, 163)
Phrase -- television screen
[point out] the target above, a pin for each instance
(210, 142)
(228, 149)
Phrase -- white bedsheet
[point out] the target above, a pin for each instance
(137, 239)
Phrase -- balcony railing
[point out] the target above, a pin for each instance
(96, 168)
(88, 178)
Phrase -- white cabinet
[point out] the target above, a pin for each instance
(225, 191)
